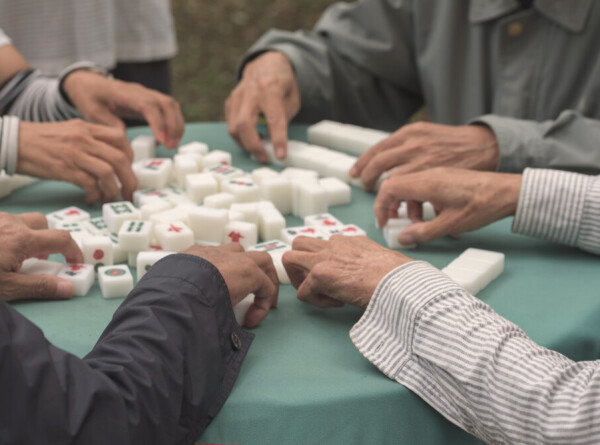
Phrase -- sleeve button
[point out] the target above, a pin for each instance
(235, 341)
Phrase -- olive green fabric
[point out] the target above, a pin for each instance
(303, 382)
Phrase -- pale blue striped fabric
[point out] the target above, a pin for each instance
(476, 368)
(41, 101)
(560, 206)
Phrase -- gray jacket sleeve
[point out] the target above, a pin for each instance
(357, 65)
(570, 142)
(159, 373)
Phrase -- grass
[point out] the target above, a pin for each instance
(213, 36)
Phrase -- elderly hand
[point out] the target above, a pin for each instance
(341, 270)
(105, 101)
(244, 273)
(91, 156)
(424, 145)
(464, 200)
(268, 86)
(25, 236)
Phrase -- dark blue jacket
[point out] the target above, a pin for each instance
(159, 373)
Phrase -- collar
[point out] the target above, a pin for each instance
(569, 14)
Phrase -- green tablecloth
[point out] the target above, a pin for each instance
(303, 381)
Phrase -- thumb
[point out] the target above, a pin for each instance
(422, 232)
(35, 287)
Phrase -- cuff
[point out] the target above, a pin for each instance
(385, 332)
(9, 144)
(87, 66)
(551, 205)
(204, 276)
(212, 293)
(519, 142)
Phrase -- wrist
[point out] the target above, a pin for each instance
(74, 78)
(509, 191)
(489, 144)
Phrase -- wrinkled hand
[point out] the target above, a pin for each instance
(341, 270)
(25, 236)
(424, 145)
(105, 101)
(268, 86)
(464, 200)
(244, 273)
(91, 156)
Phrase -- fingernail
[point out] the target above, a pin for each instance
(64, 289)
(353, 172)
(280, 152)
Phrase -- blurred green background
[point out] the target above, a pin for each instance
(214, 34)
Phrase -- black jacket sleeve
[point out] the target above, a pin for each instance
(159, 373)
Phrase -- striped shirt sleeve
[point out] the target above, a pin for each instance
(561, 207)
(477, 369)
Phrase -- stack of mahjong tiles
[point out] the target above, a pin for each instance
(315, 156)
(198, 197)
(331, 150)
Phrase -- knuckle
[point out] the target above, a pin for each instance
(377, 163)
(38, 216)
(87, 184)
(105, 172)
(302, 296)
(439, 169)
(237, 247)
(80, 126)
(147, 107)
(168, 102)
(241, 126)
(38, 287)
(385, 189)
(285, 259)
(120, 158)
(276, 119)
(417, 127)
(63, 236)
(20, 233)
(235, 94)
(267, 82)
(320, 272)
(9, 291)
(78, 139)
(119, 134)
(232, 128)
